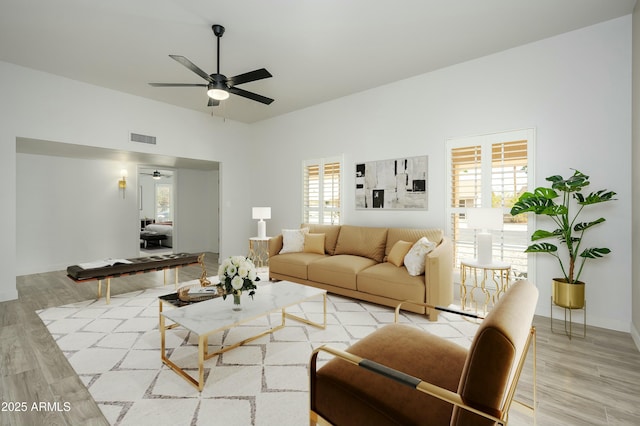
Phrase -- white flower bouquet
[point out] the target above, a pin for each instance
(237, 274)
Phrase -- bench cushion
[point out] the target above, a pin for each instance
(138, 264)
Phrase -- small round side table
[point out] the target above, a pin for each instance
(489, 279)
(259, 251)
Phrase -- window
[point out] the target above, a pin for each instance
(164, 202)
(322, 191)
(490, 171)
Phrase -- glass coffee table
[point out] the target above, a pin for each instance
(214, 315)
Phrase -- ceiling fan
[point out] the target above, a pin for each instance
(218, 85)
(155, 175)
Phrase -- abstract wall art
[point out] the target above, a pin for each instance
(399, 184)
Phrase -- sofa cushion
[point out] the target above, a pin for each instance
(293, 240)
(330, 232)
(387, 280)
(293, 264)
(314, 243)
(362, 241)
(398, 252)
(412, 235)
(415, 258)
(338, 270)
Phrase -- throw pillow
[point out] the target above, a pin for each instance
(398, 252)
(415, 258)
(314, 243)
(293, 240)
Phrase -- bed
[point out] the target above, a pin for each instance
(162, 229)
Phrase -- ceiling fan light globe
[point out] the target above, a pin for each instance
(218, 94)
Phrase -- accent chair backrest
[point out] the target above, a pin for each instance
(495, 353)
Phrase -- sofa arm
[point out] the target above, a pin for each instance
(438, 276)
(275, 245)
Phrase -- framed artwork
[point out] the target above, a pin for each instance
(399, 184)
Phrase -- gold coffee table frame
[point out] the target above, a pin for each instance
(204, 354)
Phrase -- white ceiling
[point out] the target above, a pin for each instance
(317, 50)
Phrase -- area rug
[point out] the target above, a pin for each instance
(115, 350)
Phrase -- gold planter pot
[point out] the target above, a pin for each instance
(567, 295)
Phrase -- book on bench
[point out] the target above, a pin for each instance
(103, 263)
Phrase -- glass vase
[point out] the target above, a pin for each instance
(236, 301)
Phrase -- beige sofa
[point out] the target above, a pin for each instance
(354, 264)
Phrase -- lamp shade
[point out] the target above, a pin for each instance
(484, 218)
(261, 212)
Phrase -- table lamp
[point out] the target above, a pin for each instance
(261, 213)
(484, 219)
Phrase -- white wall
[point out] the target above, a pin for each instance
(574, 89)
(635, 183)
(71, 211)
(42, 106)
(196, 211)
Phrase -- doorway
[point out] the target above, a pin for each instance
(156, 199)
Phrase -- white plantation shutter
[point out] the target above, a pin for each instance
(490, 171)
(322, 192)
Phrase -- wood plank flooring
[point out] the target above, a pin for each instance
(592, 381)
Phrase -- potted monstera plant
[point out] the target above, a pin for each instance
(563, 203)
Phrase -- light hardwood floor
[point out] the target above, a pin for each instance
(592, 381)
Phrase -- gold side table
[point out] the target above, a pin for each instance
(259, 251)
(489, 280)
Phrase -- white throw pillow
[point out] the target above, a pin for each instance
(415, 259)
(293, 240)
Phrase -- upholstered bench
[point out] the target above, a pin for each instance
(137, 265)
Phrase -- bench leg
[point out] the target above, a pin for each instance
(99, 289)
(108, 290)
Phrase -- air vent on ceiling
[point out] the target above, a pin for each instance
(137, 137)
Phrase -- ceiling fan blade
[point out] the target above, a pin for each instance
(213, 102)
(250, 95)
(187, 63)
(176, 85)
(249, 76)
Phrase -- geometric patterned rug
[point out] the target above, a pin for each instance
(115, 350)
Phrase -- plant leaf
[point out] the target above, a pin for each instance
(540, 202)
(572, 184)
(595, 197)
(541, 234)
(541, 248)
(594, 252)
(579, 227)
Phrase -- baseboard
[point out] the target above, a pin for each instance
(635, 335)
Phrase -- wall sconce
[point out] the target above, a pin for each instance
(484, 219)
(261, 213)
(122, 183)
